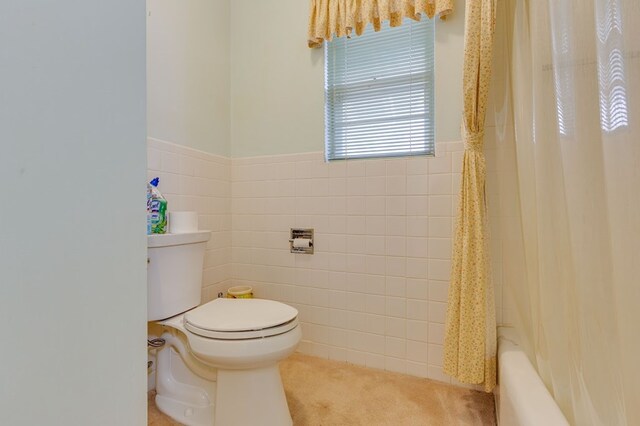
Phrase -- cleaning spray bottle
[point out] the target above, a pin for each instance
(149, 191)
(156, 209)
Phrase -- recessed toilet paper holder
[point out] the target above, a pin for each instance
(301, 240)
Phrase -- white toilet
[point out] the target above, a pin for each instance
(219, 365)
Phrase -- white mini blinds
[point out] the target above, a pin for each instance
(379, 92)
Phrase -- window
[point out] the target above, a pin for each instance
(379, 93)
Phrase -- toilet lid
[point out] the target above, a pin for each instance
(241, 318)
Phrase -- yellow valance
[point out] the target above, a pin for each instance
(329, 18)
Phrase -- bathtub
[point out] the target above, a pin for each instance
(521, 397)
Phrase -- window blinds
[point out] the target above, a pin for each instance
(379, 92)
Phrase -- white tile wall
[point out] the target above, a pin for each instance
(198, 181)
(374, 293)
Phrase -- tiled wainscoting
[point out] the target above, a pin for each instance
(374, 293)
(197, 181)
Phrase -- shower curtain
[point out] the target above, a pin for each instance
(575, 79)
(470, 330)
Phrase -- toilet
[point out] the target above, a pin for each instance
(219, 363)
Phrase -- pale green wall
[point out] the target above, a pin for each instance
(236, 78)
(277, 104)
(277, 82)
(188, 73)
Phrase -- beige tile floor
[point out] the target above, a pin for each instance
(329, 393)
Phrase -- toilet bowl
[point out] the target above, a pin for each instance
(219, 365)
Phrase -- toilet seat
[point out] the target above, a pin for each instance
(240, 319)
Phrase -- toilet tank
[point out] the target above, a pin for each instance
(174, 273)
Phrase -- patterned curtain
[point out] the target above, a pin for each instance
(470, 334)
(329, 18)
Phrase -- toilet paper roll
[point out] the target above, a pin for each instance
(183, 222)
(301, 243)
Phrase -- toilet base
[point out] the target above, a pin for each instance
(185, 413)
(182, 395)
(251, 397)
(227, 397)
